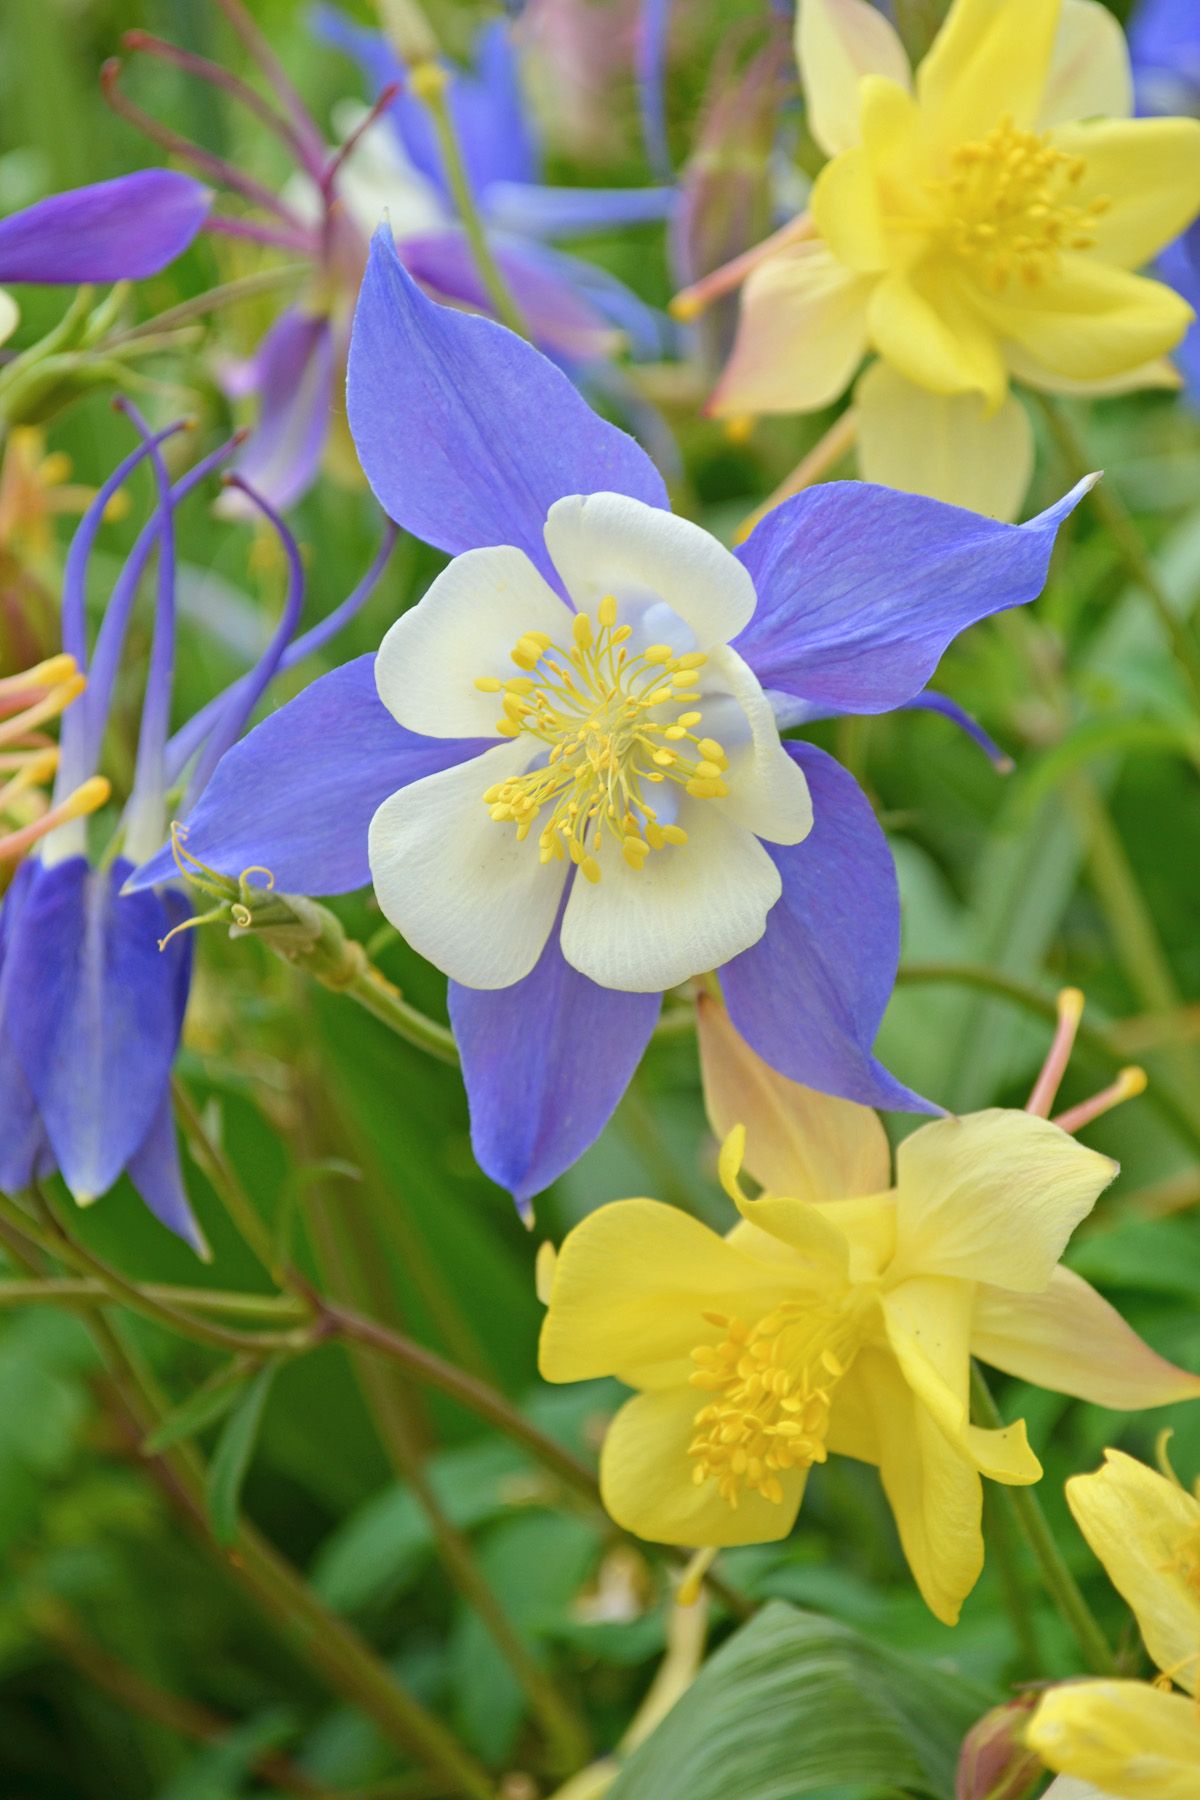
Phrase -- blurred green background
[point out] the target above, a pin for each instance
(129, 1669)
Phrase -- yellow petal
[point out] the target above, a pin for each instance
(928, 327)
(837, 43)
(1132, 1740)
(1161, 373)
(988, 60)
(993, 1196)
(646, 1481)
(1089, 321)
(10, 315)
(797, 1141)
(928, 1323)
(934, 1493)
(1148, 172)
(946, 446)
(1071, 1341)
(1090, 76)
(631, 1285)
(846, 212)
(851, 1419)
(801, 334)
(1139, 1524)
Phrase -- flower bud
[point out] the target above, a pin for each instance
(995, 1762)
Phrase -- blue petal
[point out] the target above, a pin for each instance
(297, 794)
(653, 35)
(809, 996)
(467, 435)
(650, 333)
(958, 715)
(1179, 264)
(861, 588)
(117, 230)
(94, 1014)
(545, 1063)
(24, 1152)
(155, 1172)
(294, 367)
(529, 209)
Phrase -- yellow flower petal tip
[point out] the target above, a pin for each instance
(729, 1164)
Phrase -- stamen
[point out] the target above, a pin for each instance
(599, 713)
(1070, 1010)
(1129, 1084)
(691, 301)
(1008, 208)
(87, 798)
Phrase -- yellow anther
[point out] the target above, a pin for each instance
(658, 653)
(590, 869)
(694, 659)
(712, 751)
(675, 834)
(688, 719)
(606, 612)
(487, 684)
(581, 631)
(708, 771)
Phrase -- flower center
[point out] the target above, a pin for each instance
(1009, 206)
(610, 723)
(772, 1387)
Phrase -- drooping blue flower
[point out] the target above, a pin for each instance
(570, 305)
(93, 980)
(586, 647)
(122, 230)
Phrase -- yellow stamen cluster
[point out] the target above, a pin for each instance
(771, 1385)
(28, 758)
(1009, 206)
(609, 721)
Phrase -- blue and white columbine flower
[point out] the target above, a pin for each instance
(1164, 46)
(93, 980)
(564, 771)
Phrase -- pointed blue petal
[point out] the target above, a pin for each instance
(24, 1152)
(861, 588)
(545, 1063)
(294, 368)
(297, 794)
(155, 1172)
(94, 1012)
(117, 230)
(467, 435)
(809, 996)
(530, 209)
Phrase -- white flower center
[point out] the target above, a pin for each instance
(612, 729)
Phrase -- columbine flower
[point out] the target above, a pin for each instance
(568, 754)
(93, 981)
(120, 230)
(839, 1315)
(1133, 1739)
(977, 225)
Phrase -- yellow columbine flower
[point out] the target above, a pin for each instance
(978, 223)
(1132, 1740)
(839, 1314)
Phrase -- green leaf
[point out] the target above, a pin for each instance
(231, 1458)
(794, 1704)
(209, 1403)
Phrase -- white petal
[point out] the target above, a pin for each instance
(379, 181)
(609, 544)
(691, 907)
(837, 43)
(10, 315)
(457, 884)
(943, 445)
(465, 626)
(1090, 76)
(768, 794)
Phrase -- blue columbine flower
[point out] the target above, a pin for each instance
(94, 981)
(564, 772)
(119, 230)
(1164, 45)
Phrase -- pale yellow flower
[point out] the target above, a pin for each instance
(839, 1315)
(1134, 1741)
(979, 222)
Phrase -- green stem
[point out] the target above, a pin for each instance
(352, 1261)
(53, 1239)
(1090, 1038)
(1118, 523)
(88, 1292)
(230, 293)
(332, 1647)
(1060, 1584)
(1000, 1544)
(222, 1177)
(430, 82)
